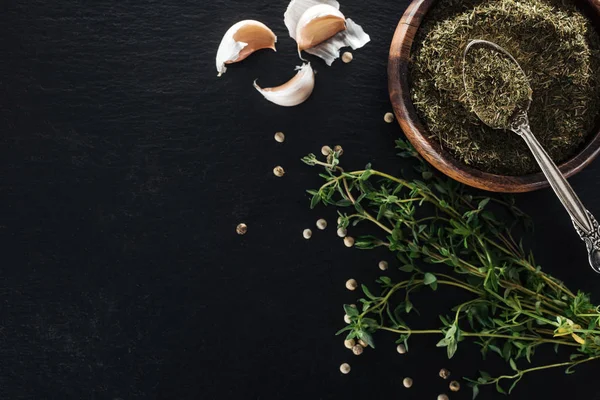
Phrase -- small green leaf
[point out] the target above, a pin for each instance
(513, 365)
(499, 388)
(483, 203)
(366, 175)
(495, 349)
(386, 280)
(408, 306)
(366, 336)
(351, 311)
(316, 199)
(429, 279)
(344, 329)
(487, 377)
(367, 292)
(407, 268)
(475, 391)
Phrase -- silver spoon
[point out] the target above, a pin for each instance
(584, 222)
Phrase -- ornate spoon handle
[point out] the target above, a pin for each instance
(585, 224)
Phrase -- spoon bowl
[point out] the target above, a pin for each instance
(584, 222)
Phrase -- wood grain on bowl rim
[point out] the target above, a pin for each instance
(429, 148)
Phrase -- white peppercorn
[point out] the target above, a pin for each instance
(280, 137)
(342, 232)
(241, 229)
(321, 224)
(351, 284)
(278, 171)
(401, 349)
(345, 368)
(349, 241)
(383, 265)
(407, 382)
(347, 57)
(444, 373)
(454, 386)
(307, 234)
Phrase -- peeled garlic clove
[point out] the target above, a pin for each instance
(317, 24)
(329, 50)
(293, 92)
(241, 40)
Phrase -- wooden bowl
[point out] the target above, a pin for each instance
(429, 148)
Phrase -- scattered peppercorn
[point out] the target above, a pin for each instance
(444, 373)
(357, 350)
(353, 305)
(321, 224)
(351, 284)
(347, 319)
(443, 397)
(363, 343)
(349, 241)
(401, 349)
(388, 117)
(349, 344)
(342, 232)
(326, 150)
(307, 234)
(278, 171)
(241, 229)
(383, 265)
(280, 137)
(338, 149)
(407, 382)
(454, 386)
(347, 57)
(345, 368)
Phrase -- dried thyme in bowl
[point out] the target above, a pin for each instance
(557, 47)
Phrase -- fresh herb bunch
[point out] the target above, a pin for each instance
(435, 222)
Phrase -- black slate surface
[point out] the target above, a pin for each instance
(125, 165)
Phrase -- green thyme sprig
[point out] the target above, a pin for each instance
(434, 222)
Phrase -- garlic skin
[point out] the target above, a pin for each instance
(293, 92)
(329, 50)
(241, 40)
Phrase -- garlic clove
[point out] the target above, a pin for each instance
(293, 92)
(329, 49)
(241, 40)
(298, 7)
(354, 36)
(317, 24)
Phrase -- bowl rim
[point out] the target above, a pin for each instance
(430, 149)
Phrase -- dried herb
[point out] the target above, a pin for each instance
(557, 47)
(442, 235)
(496, 87)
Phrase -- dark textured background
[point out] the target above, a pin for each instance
(125, 165)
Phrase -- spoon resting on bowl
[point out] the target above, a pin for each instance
(500, 95)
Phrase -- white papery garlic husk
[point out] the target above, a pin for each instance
(321, 29)
(293, 92)
(241, 40)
